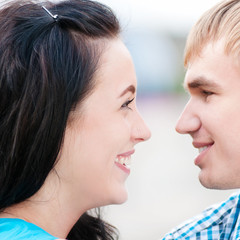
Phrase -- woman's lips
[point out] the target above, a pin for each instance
(129, 153)
(123, 161)
(123, 167)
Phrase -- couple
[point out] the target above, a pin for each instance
(69, 122)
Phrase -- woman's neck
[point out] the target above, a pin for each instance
(50, 209)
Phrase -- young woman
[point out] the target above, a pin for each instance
(68, 119)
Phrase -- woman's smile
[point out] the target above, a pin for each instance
(123, 161)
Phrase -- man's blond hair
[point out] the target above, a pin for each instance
(220, 22)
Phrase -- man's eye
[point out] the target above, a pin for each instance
(206, 93)
(125, 105)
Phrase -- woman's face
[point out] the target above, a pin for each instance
(100, 138)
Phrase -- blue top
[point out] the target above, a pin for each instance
(219, 222)
(17, 229)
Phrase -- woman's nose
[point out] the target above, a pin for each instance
(140, 131)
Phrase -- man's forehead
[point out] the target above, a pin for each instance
(207, 68)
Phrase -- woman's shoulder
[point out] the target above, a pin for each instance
(18, 229)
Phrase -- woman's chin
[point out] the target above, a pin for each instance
(120, 198)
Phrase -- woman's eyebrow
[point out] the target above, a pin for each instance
(131, 88)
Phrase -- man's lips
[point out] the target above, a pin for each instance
(203, 148)
(200, 145)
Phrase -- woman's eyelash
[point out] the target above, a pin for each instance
(127, 103)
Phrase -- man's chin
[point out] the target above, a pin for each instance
(217, 184)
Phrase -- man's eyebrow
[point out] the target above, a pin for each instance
(201, 82)
(131, 89)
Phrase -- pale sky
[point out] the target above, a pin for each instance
(176, 15)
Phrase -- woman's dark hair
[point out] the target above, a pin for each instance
(46, 67)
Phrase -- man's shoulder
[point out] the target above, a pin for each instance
(218, 220)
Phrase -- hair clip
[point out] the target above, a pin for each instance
(55, 17)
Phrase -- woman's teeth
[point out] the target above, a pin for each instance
(125, 161)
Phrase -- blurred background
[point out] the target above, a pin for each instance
(163, 186)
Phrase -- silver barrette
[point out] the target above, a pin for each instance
(55, 17)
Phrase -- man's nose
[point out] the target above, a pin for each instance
(189, 120)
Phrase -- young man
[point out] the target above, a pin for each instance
(212, 117)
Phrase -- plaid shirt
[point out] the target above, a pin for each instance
(219, 222)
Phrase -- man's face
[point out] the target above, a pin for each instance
(212, 116)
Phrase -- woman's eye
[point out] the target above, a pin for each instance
(126, 104)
